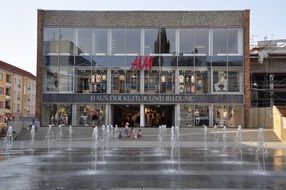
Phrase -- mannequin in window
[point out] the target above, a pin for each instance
(221, 85)
(56, 80)
(197, 117)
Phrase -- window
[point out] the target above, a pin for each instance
(219, 41)
(133, 41)
(202, 41)
(8, 78)
(233, 81)
(100, 41)
(2, 90)
(151, 45)
(67, 41)
(1, 105)
(1, 76)
(187, 41)
(84, 41)
(51, 41)
(118, 41)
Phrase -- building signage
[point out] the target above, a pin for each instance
(142, 98)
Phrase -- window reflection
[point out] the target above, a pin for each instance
(50, 79)
(100, 41)
(51, 41)
(219, 42)
(202, 41)
(194, 115)
(133, 41)
(67, 41)
(151, 82)
(84, 41)
(118, 41)
(57, 114)
(90, 114)
(98, 81)
(151, 45)
(187, 42)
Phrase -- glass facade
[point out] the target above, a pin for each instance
(167, 61)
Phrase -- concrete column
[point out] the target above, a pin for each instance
(211, 115)
(177, 114)
(142, 82)
(108, 81)
(177, 87)
(74, 115)
(142, 115)
(107, 114)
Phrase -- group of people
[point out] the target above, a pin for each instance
(130, 132)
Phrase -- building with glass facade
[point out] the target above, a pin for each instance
(186, 68)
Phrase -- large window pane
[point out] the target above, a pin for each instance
(151, 82)
(167, 82)
(66, 60)
(187, 82)
(117, 41)
(83, 80)
(100, 41)
(132, 82)
(51, 40)
(133, 41)
(50, 79)
(220, 81)
(219, 41)
(168, 41)
(151, 41)
(99, 81)
(90, 114)
(202, 41)
(84, 41)
(57, 114)
(202, 83)
(235, 41)
(67, 41)
(187, 42)
(233, 81)
(66, 75)
(194, 115)
(118, 81)
(229, 115)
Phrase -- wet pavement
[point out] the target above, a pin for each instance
(158, 165)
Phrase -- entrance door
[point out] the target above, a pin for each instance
(156, 115)
(126, 113)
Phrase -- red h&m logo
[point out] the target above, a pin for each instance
(147, 63)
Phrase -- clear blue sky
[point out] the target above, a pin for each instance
(18, 20)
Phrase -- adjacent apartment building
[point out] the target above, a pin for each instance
(17, 93)
(185, 68)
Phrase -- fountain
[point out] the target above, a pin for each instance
(205, 137)
(216, 137)
(33, 133)
(70, 137)
(224, 139)
(238, 145)
(59, 136)
(95, 145)
(8, 141)
(175, 147)
(50, 137)
(260, 150)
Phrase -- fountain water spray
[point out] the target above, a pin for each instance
(8, 141)
(216, 137)
(33, 134)
(224, 139)
(70, 137)
(50, 137)
(260, 149)
(205, 137)
(238, 145)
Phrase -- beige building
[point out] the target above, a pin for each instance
(17, 93)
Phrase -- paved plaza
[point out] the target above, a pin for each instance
(194, 160)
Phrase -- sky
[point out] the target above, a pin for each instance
(18, 20)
